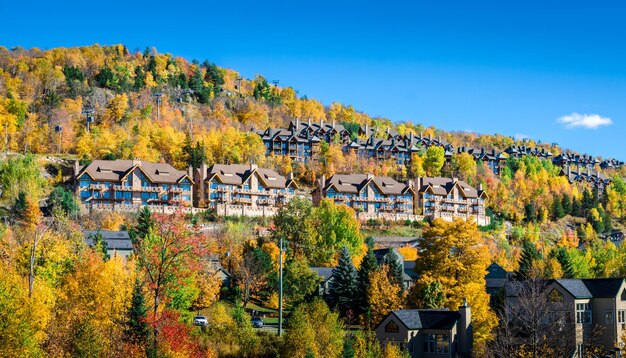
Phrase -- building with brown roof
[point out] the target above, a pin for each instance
(371, 197)
(384, 198)
(242, 190)
(126, 185)
(450, 198)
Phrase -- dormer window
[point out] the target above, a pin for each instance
(228, 174)
(271, 178)
(104, 170)
(159, 172)
(392, 327)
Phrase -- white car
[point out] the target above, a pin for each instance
(200, 321)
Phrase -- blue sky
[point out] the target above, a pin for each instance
(488, 66)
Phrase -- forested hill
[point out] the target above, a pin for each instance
(159, 107)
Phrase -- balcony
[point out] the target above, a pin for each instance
(243, 200)
(122, 188)
(97, 187)
(176, 190)
(152, 189)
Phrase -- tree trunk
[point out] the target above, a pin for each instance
(31, 275)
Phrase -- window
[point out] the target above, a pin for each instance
(436, 343)
(392, 327)
(583, 313)
(555, 296)
(621, 316)
(608, 316)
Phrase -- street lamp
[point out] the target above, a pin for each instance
(158, 95)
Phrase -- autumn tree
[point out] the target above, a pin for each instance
(167, 256)
(434, 161)
(383, 294)
(452, 253)
(314, 331)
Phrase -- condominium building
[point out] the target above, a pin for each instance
(587, 313)
(126, 185)
(301, 141)
(242, 190)
(385, 198)
(371, 197)
(450, 198)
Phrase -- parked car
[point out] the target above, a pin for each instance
(257, 322)
(200, 321)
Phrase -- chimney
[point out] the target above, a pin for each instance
(418, 183)
(321, 123)
(439, 139)
(309, 122)
(465, 329)
(297, 123)
(569, 171)
(290, 175)
(367, 130)
(333, 123)
(588, 171)
(420, 137)
(480, 187)
(190, 172)
(76, 168)
(410, 137)
(203, 171)
(253, 167)
(493, 152)
(322, 182)
(455, 180)
(370, 176)
(429, 138)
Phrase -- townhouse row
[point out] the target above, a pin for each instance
(247, 190)
(301, 142)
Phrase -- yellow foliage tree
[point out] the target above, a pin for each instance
(383, 294)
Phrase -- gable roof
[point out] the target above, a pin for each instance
(427, 319)
(443, 186)
(237, 174)
(496, 271)
(115, 240)
(354, 183)
(117, 170)
(324, 273)
(586, 288)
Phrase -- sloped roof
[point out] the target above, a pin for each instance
(115, 240)
(354, 183)
(325, 273)
(496, 271)
(427, 319)
(116, 170)
(443, 186)
(237, 174)
(603, 287)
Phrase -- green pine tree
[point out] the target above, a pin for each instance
(529, 255)
(576, 207)
(396, 270)
(566, 203)
(566, 263)
(145, 222)
(344, 288)
(137, 329)
(368, 267)
(557, 208)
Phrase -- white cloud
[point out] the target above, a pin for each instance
(589, 121)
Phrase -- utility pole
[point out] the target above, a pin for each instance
(59, 130)
(158, 95)
(88, 112)
(239, 79)
(280, 290)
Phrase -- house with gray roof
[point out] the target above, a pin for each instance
(127, 185)
(117, 243)
(242, 190)
(581, 307)
(325, 275)
(429, 332)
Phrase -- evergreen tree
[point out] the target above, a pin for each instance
(431, 295)
(529, 255)
(557, 208)
(566, 263)
(344, 289)
(145, 222)
(140, 79)
(368, 266)
(587, 202)
(566, 203)
(576, 207)
(137, 329)
(396, 270)
(531, 212)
